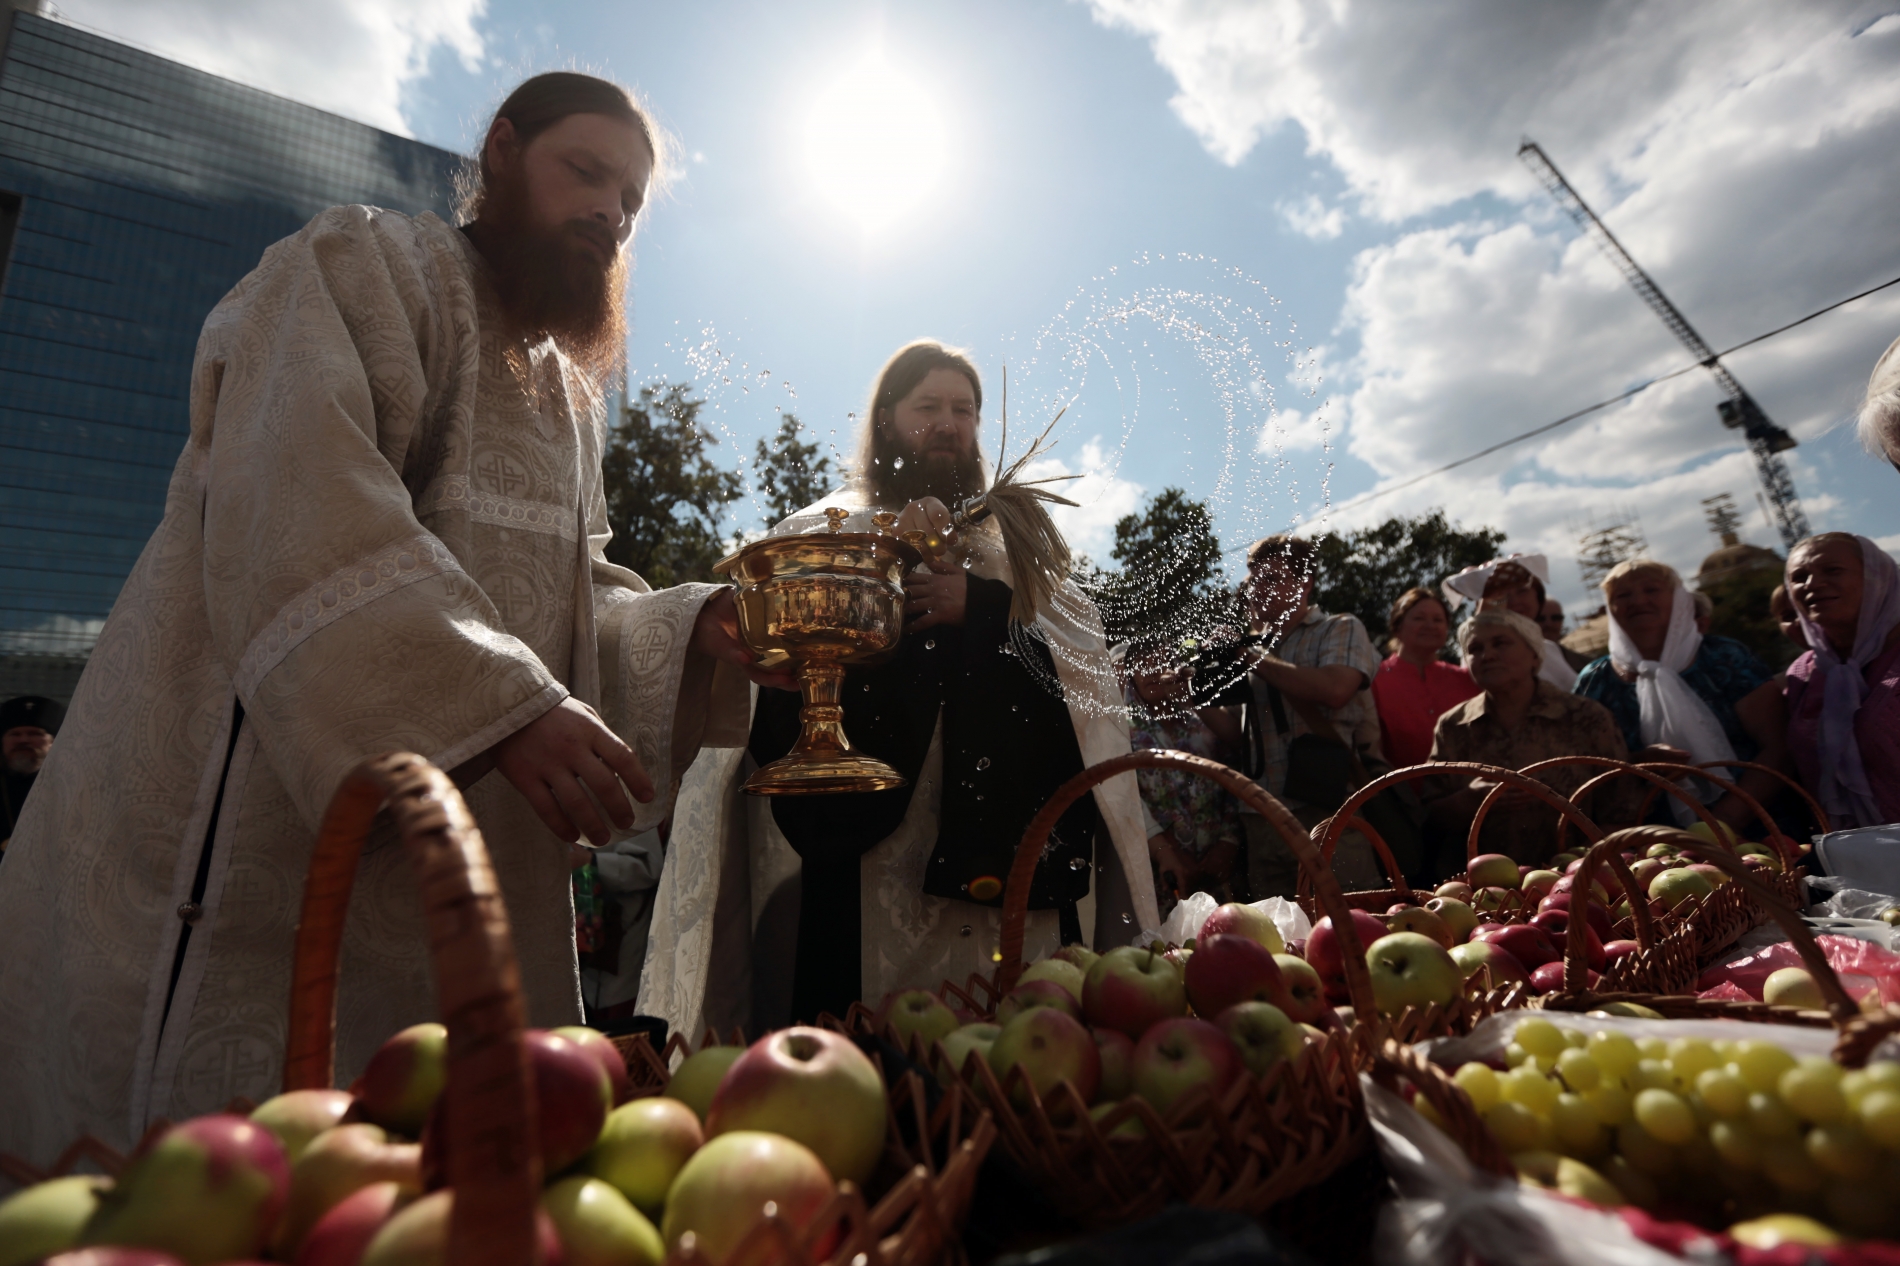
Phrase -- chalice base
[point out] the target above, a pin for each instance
(822, 773)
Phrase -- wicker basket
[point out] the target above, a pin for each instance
(1264, 1140)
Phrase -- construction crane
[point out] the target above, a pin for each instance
(1765, 440)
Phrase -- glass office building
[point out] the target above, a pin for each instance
(134, 192)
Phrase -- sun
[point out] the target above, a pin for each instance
(874, 143)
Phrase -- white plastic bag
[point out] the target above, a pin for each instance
(1184, 921)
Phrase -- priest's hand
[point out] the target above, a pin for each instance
(937, 596)
(559, 757)
(716, 633)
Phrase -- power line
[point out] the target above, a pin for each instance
(1534, 432)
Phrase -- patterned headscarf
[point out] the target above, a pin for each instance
(1523, 626)
(1844, 791)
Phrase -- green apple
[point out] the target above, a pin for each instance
(1473, 955)
(1409, 970)
(402, 1079)
(598, 1227)
(1263, 1034)
(1660, 852)
(337, 1163)
(699, 1074)
(959, 1045)
(1118, 1058)
(1457, 889)
(1538, 883)
(1129, 1128)
(1130, 988)
(918, 1013)
(1728, 838)
(1236, 918)
(1792, 987)
(813, 1086)
(47, 1217)
(1037, 993)
(1081, 955)
(1050, 1047)
(1424, 922)
(208, 1190)
(1493, 870)
(1303, 987)
(297, 1116)
(1178, 1055)
(1066, 974)
(1673, 887)
(724, 1189)
(642, 1149)
(1457, 915)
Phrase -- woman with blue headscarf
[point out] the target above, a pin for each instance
(1844, 694)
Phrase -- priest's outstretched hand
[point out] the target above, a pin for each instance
(565, 749)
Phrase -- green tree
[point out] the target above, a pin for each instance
(1169, 581)
(791, 474)
(666, 499)
(1363, 572)
(1742, 612)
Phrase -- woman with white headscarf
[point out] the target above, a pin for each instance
(1681, 695)
(1518, 583)
(1844, 694)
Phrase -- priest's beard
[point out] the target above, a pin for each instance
(899, 475)
(550, 283)
(27, 762)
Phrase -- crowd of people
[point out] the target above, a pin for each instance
(1474, 672)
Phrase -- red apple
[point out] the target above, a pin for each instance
(1529, 945)
(605, 1053)
(1178, 1055)
(1493, 870)
(402, 1079)
(1473, 955)
(1303, 989)
(207, 1190)
(722, 1192)
(1324, 952)
(643, 1147)
(298, 1116)
(1130, 988)
(814, 1087)
(1550, 977)
(341, 1235)
(1556, 923)
(1409, 970)
(1262, 1033)
(573, 1095)
(1238, 919)
(1227, 969)
(1118, 1058)
(337, 1164)
(1049, 1047)
(1037, 993)
(1615, 950)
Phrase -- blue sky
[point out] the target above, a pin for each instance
(1279, 253)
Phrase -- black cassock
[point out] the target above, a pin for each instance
(1008, 743)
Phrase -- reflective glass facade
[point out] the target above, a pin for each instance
(144, 191)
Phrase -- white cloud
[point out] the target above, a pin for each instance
(1103, 497)
(1745, 154)
(1310, 217)
(351, 57)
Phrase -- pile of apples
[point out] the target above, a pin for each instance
(1735, 1134)
(1157, 1023)
(335, 1178)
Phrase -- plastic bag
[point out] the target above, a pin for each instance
(1184, 921)
(1862, 966)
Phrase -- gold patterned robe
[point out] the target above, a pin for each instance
(375, 539)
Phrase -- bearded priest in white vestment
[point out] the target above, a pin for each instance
(386, 532)
(778, 908)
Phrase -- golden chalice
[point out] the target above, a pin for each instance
(817, 602)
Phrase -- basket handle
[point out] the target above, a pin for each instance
(1794, 785)
(1380, 849)
(1576, 949)
(1614, 769)
(495, 1165)
(1243, 788)
(1839, 1005)
(1790, 856)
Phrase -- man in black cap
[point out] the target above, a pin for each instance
(27, 726)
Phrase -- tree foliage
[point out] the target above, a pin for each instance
(1363, 572)
(1742, 612)
(1169, 581)
(666, 497)
(791, 475)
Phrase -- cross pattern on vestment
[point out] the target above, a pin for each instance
(650, 645)
(235, 1065)
(501, 475)
(512, 597)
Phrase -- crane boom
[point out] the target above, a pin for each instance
(1766, 441)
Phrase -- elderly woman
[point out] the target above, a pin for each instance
(1517, 583)
(1413, 687)
(1678, 693)
(1521, 719)
(1844, 693)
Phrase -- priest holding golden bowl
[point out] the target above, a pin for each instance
(774, 907)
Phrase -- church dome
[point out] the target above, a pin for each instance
(1734, 560)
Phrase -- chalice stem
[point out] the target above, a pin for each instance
(821, 681)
